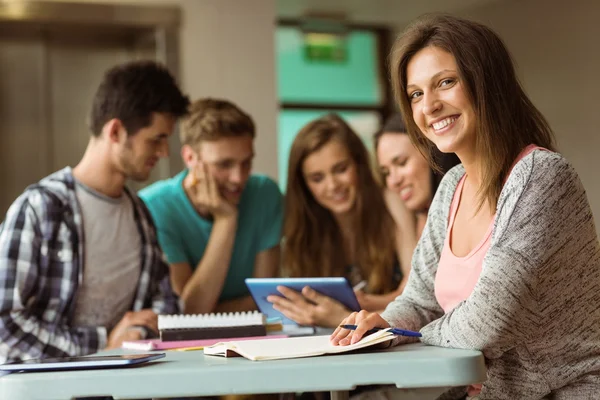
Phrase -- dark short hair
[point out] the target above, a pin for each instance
(132, 92)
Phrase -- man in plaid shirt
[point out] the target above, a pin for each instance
(80, 266)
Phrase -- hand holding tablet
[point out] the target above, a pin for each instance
(309, 299)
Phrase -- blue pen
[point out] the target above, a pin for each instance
(395, 331)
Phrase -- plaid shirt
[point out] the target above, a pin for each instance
(41, 266)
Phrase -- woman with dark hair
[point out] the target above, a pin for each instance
(509, 260)
(406, 172)
(339, 222)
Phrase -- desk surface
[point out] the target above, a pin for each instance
(192, 373)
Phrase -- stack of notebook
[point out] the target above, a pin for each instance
(211, 326)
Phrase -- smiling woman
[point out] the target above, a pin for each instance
(509, 260)
(338, 222)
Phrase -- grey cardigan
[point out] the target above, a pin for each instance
(535, 311)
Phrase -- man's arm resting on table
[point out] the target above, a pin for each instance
(25, 336)
(201, 289)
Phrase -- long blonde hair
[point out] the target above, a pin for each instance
(507, 121)
(313, 240)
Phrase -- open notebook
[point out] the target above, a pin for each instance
(277, 349)
(210, 326)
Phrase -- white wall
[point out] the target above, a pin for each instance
(228, 50)
(555, 46)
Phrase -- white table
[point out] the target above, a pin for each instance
(180, 374)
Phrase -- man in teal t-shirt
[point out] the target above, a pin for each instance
(216, 223)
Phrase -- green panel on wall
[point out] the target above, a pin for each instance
(349, 79)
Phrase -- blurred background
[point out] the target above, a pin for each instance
(283, 61)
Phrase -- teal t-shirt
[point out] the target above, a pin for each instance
(183, 234)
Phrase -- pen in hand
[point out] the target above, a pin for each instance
(395, 331)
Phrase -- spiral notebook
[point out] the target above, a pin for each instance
(211, 326)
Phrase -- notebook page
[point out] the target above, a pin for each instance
(217, 320)
(273, 349)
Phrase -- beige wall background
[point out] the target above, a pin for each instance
(227, 50)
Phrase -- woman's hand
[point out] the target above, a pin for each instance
(363, 320)
(309, 307)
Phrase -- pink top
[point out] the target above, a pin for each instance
(456, 277)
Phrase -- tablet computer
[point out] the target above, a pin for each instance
(336, 288)
(79, 362)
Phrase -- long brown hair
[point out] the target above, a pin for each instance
(313, 241)
(507, 121)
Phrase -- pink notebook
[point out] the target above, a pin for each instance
(157, 344)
